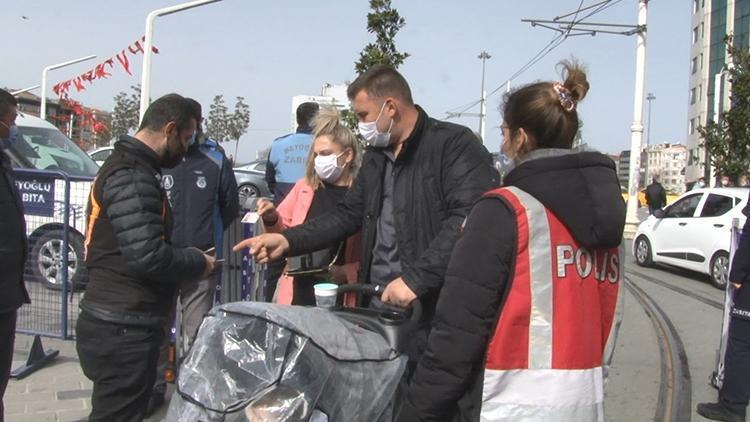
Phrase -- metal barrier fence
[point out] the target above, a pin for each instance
(241, 278)
(54, 212)
(55, 207)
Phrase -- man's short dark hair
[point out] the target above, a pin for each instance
(306, 112)
(7, 101)
(169, 108)
(196, 109)
(381, 81)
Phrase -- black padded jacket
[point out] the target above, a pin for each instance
(133, 268)
(442, 170)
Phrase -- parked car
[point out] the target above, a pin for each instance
(41, 146)
(101, 154)
(251, 180)
(693, 233)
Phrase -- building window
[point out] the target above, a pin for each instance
(694, 65)
(692, 96)
(700, 92)
(695, 6)
(691, 126)
(703, 30)
(695, 35)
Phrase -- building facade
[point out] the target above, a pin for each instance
(330, 95)
(61, 115)
(623, 169)
(667, 162)
(712, 20)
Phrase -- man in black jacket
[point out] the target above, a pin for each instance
(133, 268)
(656, 196)
(419, 179)
(12, 243)
(735, 391)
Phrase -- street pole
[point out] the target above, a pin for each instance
(709, 172)
(636, 130)
(149, 43)
(43, 109)
(650, 97)
(483, 107)
(27, 89)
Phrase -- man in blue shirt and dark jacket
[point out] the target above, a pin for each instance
(202, 192)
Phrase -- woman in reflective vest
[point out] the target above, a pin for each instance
(527, 319)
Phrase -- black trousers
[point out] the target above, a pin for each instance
(735, 391)
(121, 362)
(7, 340)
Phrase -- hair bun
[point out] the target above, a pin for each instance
(574, 76)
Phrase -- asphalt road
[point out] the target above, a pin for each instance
(692, 306)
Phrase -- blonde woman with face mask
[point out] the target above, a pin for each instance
(332, 165)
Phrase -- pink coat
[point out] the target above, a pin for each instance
(293, 212)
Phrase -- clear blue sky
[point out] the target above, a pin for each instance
(268, 52)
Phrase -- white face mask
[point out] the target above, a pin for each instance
(327, 167)
(372, 136)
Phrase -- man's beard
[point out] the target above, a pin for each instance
(173, 154)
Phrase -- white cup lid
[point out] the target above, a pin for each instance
(325, 289)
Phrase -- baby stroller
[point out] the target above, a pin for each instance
(254, 361)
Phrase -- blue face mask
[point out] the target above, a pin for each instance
(12, 136)
(191, 141)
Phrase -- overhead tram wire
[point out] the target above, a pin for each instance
(552, 45)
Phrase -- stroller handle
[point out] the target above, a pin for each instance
(377, 291)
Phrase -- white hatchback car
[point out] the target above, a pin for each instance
(694, 232)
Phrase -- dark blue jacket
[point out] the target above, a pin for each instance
(740, 272)
(12, 241)
(202, 192)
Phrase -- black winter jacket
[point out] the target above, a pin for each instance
(133, 268)
(582, 190)
(441, 171)
(656, 196)
(202, 193)
(12, 241)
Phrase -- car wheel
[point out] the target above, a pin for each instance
(643, 252)
(246, 192)
(720, 270)
(47, 260)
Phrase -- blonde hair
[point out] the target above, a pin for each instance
(328, 122)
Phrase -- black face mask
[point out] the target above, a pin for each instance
(174, 153)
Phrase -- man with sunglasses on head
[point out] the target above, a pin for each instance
(134, 269)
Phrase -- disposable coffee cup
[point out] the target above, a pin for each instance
(325, 295)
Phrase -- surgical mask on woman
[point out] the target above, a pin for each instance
(370, 133)
(327, 167)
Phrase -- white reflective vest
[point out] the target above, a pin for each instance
(547, 359)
